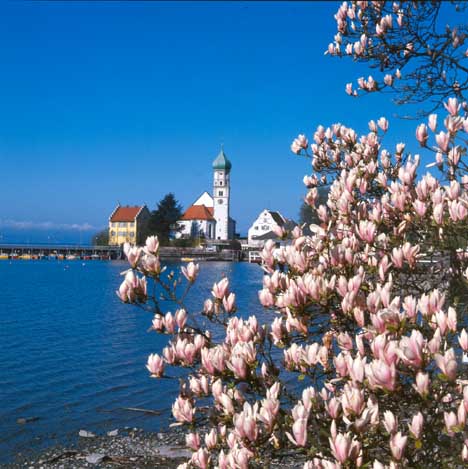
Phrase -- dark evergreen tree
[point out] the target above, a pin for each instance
(101, 238)
(164, 218)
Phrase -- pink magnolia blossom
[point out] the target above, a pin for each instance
(192, 440)
(221, 289)
(464, 454)
(132, 253)
(398, 445)
(183, 410)
(381, 375)
(463, 340)
(416, 425)
(155, 365)
(342, 447)
(151, 264)
(390, 422)
(229, 303)
(211, 439)
(411, 349)
(383, 124)
(190, 271)
(299, 143)
(299, 432)
(451, 421)
(421, 134)
(201, 458)
(447, 364)
(443, 140)
(152, 245)
(452, 106)
(433, 122)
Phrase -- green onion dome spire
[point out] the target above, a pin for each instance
(221, 161)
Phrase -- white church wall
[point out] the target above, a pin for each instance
(205, 199)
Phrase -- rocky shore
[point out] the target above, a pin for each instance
(127, 448)
(130, 448)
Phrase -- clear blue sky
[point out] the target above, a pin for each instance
(105, 102)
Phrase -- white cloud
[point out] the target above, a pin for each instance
(45, 225)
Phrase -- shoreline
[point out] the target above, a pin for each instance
(124, 448)
(129, 448)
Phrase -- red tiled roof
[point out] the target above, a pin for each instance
(125, 213)
(198, 212)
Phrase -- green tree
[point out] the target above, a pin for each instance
(167, 212)
(101, 238)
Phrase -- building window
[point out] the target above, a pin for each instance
(220, 201)
(112, 233)
(220, 183)
(132, 223)
(132, 234)
(122, 224)
(220, 193)
(265, 227)
(256, 228)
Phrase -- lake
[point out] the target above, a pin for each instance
(73, 356)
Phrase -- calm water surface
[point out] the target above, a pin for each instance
(73, 356)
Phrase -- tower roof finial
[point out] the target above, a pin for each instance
(221, 161)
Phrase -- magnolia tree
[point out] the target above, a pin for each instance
(419, 57)
(359, 363)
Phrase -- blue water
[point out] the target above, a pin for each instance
(72, 355)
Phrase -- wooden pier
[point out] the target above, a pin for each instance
(62, 251)
(71, 252)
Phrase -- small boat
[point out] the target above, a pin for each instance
(3, 257)
(71, 257)
(187, 259)
(25, 257)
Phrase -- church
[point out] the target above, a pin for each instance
(208, 217)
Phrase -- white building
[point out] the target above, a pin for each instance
(208, 216)
(262, 228)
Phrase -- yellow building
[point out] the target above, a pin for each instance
(127, 223)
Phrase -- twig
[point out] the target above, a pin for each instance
(147, 411)
(65, 454)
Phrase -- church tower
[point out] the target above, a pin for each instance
(221, 192)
